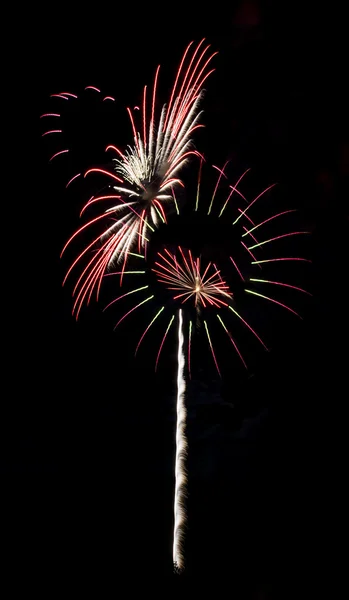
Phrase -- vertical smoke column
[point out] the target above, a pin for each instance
(181, 452)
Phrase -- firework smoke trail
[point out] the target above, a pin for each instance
(180, 516)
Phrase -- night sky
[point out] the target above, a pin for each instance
(89, 442)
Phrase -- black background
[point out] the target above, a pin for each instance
(89, 440)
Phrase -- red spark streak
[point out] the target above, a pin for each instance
(213, 354)
(249, 327)
(68, 94)
(162, 343)
(236, 267)
(104, 173)
(58, 96)
(132, 309)
(92, 87)
(255, 200)
(247, 217)
(52, 131)
(82, 228)
(110, 147)
(234, 344)
(293, 287)
(273, 217)
(72, 179)
(176, 81)
(92, 200)
(276, 302)
(252, 236)
(279, 237)
(249, 251)
(58, 153)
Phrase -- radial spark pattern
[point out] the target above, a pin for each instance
(146, 174)
(186, 275)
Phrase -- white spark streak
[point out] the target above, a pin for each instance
(181, 453)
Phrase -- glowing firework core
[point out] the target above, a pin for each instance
(184, 274)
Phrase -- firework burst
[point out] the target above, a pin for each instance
(196, 284)
(145, 176)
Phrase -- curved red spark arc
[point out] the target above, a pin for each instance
(51, 131)
(147, 329)
(247, 217)
(252, 236)
(85, 206)
(96, 257)
(90, 279)
(175, 84)
(221, 172)
(162, 343)
(92, 200)
(111, 147)
(185, 260)
(181, 158)
(123, 296)
(185, 86)
(232, 341)
(132, 309)
(78, 258)
(279, 237)
(68, 94)
(237, 268)
(92, 87)
(72, 179)
(213, 354)
(200, 84)
(49, 115)
(58, 153)
(58, 96)
(140, 229)
(237, 183)
(123, 268)
(99, 274)
(108, 98)
(104, 172)
(82, 228)
(255, 200)
(248, 327)
(293, 287)
(275, 302)
(278, 259)
(159, 205)
(196, 84)
(250, 253)
(285, 212)
(102, 272)
(103, 257)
